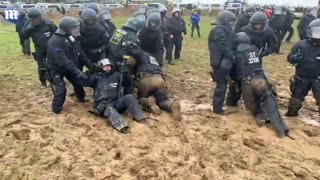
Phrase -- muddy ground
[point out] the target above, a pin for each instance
(37, 144)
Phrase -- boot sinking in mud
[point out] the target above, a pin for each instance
(270, 108)
(172, 107)
(116, 120)
(150, 105)
(293, 107)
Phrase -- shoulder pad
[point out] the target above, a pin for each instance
(122, 31)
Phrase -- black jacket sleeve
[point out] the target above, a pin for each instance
(61, 60)
(91, 81)
(26, 33)
(85, 60)
(271, 43)
(219, 38)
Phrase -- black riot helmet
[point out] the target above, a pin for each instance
(93, 6)
(153, 21)
(243, 41)
(105, 16)
(89, 17)
(134, 23)
(278, 11)
(258, 22)
(313, 31)
(249, 11)
(105, 65)
(35, 16)
(226, 18)
(22, 14)
(69, 26)
(140, 15)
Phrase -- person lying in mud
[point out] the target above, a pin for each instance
(305, 55)
(256, 91)
(112, 95)
(152, 89)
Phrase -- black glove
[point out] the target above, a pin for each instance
(297, 57)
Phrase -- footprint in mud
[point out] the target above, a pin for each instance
(20, 134)
(254, 143)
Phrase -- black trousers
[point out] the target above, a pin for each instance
(291, 32)
(168, 46)
(42, 72)
(177, 44)
(279, 36)
(61, 91)
(25, 46)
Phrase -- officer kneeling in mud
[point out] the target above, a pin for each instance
(305, 55)
(109, 98)
(152, 89)
(65, 59)
(257, 93)
(125, 43)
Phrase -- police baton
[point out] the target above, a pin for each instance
(122, 66)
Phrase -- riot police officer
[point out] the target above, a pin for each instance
(244, 18)
(125, 41)
(65, 59)
(151, 37)
(288, 18)
(304, 22)
(21, 24)
(108, 102)
(257, 94)
(93, 6)
(152, 89)
(105, 20)
(305, 55)
(263, 37)
(221, 41)
(94, 39)
(277, 23)
(40, 30)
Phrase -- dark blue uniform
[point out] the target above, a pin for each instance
(40, 35)
(65, 58)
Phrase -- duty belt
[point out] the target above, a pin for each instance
(147, 74)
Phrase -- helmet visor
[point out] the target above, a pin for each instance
(36, 21)
(75, 31)
(315, 32)
(154, 25)
(90, 23)
(258, 27)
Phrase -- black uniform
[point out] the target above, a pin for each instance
(107, 26)
(65, 58)
(221, 42)
(303, 25)
(167, 40)
(307, 74)
(288, 19)
(152, 43)
(106, 98)
(277, 23)
(257, 94)
(25, 44)
(265, 40)
(242, 21)
(40, 35)
(123, 42)
(94, 42)
(177, 26)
